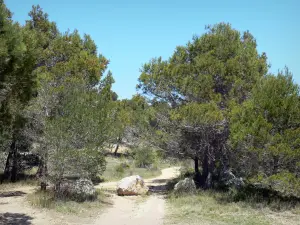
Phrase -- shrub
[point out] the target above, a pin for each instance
(42, 199)
(285, 183)
(144, 157)
(120, 168)
(47, 199)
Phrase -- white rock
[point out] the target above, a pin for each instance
(79, 190)
(186, 185)
(133, 185)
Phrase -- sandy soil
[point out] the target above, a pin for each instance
(166, 174)
(14, 209)
(135, 210)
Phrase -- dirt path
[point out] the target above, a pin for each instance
(136, 210)
(14, 209)
(166, 175)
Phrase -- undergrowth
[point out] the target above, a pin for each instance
(47, 200)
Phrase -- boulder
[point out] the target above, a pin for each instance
(230, 180)
(79, 190)
(133, 185)
(187, 185)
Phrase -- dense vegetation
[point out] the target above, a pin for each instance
(215, 103)
(212, 101)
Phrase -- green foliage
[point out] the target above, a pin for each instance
(17, 81)
(285, 183)
(219, 65)
(265, 129)
(117, 168)
(193, 90)
(120, 169)
(144, 157)
(77, 133)
(130, 118)
(194, 114)
(69, 118)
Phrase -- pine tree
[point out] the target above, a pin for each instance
(17, 85)
(199, 83)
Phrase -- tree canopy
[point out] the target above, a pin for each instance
(200, 82)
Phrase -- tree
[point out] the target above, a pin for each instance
(122, 119)
(130, 115)
(68, 68)
(17, 85)
(265, 131)
(76, 134)
(199, 83)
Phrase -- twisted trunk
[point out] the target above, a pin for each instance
(42, 172)
(11, 166)
(117, 146)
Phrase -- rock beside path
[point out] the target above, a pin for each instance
(79, 190)
(133, 185)
(186, 185)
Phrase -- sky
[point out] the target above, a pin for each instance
(131, 32)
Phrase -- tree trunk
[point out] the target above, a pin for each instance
(11, 166)
(14, 170)
(8, 165)
(116, 149)
(209, 173)
(117, 146)
(206, 180)
(275, 164)
(42, 172)
(196, 162)
(43, 186)
(205, 166)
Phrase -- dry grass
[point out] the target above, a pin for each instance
(7, 186)
(208, 208)
(46, 200)
(111, 174)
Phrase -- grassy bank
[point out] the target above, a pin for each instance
(210, 208)
(47, 200)
(118, 168)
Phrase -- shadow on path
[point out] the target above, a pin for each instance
(11, 194)
(15, 219)
(161, 186)
(160, 181)
(158, 189)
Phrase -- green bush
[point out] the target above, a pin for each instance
(119, 169)
(257, 195)
(187, 172)
(144, 157)
(285, 183)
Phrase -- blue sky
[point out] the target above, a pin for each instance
(131, 32)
